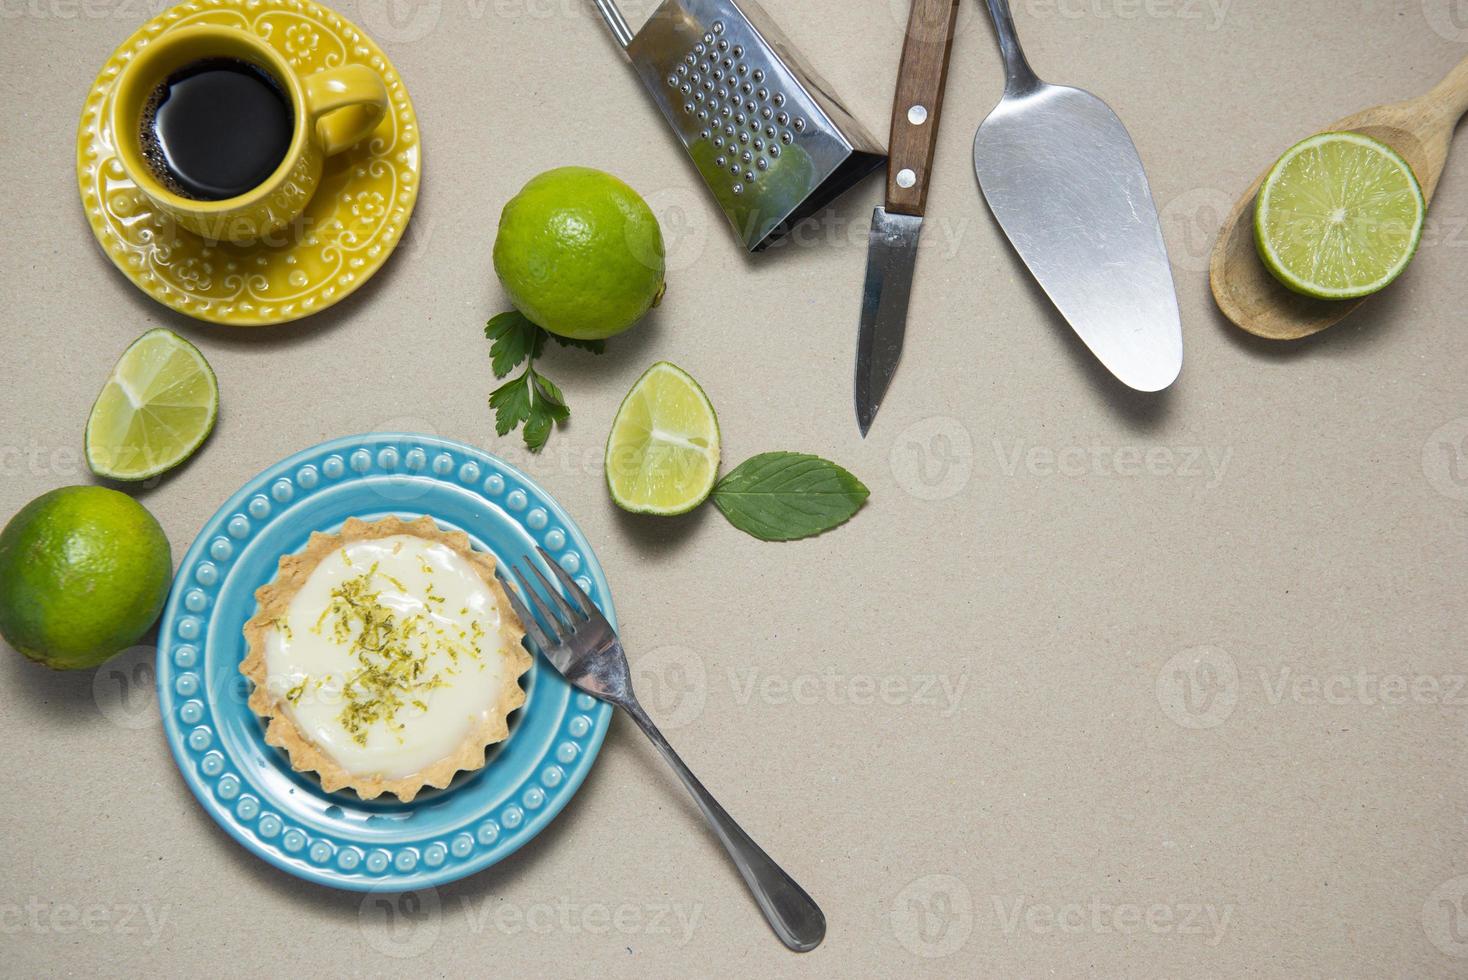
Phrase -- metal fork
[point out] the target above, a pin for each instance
(578, 640)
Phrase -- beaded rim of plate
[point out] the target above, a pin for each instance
(188, 705)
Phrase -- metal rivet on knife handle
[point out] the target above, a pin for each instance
(892, 245)
(918, 103)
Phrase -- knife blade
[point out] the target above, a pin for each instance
(893, 242)
(891, 257)
(1065, 182)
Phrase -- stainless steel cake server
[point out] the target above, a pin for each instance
(1064, 180)
(770, 140)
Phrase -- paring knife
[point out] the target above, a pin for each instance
(1066, 184)
(893, 243)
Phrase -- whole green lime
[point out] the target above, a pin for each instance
(580, 253)
(83, 575)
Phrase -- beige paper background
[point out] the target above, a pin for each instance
(1290, 554)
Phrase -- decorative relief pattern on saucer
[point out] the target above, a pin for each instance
(349, 229)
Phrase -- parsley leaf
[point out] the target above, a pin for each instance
(530, 399)
(515, 339)
(511, 404)
(550, 392)
(546, 411)
(594, 346)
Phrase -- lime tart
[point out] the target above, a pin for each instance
(385, 657)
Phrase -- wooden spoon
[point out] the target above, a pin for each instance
(1421, 130)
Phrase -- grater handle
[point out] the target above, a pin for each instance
(615, 21)
(918, 104)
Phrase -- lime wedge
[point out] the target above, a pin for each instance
(157, 407)
(1339, 217)
(663, 453)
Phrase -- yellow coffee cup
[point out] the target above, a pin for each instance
(332, 110)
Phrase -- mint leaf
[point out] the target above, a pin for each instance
(788, 496)
(515, 339)
(595, 346)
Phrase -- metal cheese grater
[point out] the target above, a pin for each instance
(763, 129)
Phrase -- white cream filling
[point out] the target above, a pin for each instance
(444, 670)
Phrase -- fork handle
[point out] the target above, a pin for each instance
(794, 916)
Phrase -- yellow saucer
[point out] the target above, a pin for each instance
(348, 230)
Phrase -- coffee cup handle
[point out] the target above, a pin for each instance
(344, 104)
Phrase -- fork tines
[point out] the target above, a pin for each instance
(556, 621)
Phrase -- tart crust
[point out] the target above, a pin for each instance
(275, 599)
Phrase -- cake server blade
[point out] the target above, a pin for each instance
(1065, 182)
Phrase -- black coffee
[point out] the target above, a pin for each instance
(216, 128)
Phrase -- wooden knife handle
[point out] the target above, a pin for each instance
(919, 103)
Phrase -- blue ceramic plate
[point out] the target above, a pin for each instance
(248, 787)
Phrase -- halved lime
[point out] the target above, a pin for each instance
(663, 453)
(1339, 217)
(157, 407)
